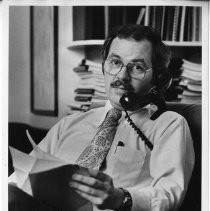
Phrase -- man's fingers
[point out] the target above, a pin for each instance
(95, 200)
(87, 189)
(88, 181)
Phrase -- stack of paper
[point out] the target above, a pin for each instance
(191, 81)
(47, 178)
(91, 88)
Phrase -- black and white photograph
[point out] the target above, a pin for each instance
(105, 105)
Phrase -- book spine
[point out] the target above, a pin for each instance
(194, 23)
(84, 91)
(162, 22)
(175, 24)
(159, 17)
(183, 17)
(147, 16)
(91, 63)
(170, 23)
(82, 98)
(200, 24)
(106, 20)
(154, 17)
(197, 27)
(141, 15)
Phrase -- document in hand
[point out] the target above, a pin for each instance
(47, 178)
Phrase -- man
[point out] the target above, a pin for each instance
(129, 176)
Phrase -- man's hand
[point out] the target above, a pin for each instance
(98, 188)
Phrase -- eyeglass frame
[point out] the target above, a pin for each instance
(123, 65)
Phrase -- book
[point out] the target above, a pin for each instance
(191, 75)
(147, 16)
(162, 21)
(175, 23)
(170, 20)
(141, 15)
(106, 20)
(79, 20)
(165, 22)
(84, 91)
(153, 16)
(90, 63)
(115, 16)
(86, 68)
(46, 178)
(192, 68)
(189, 24)
(187, 92)
(187, 80)
(200, 24)
(191, 63)
(182, 26)
(190, 99)
(83, 98)
(93, 18)
(194, 23)
(194, 87)
(158, 19)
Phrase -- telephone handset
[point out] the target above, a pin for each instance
(155, 96)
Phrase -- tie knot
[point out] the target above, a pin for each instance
(114, 114)
(112, 118)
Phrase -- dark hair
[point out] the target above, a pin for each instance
(160, 52)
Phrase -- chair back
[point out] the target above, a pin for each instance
(192, 113)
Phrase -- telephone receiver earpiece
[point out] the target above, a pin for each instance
(128, 100)
(154, 96)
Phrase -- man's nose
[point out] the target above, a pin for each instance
(124, 74)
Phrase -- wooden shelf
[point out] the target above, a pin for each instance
(83, 43)
(184, 43)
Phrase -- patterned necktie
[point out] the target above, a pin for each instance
(94, 154)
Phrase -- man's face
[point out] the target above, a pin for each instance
(128, 51)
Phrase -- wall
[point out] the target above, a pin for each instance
(19, 67)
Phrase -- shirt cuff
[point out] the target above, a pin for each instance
(141, 199)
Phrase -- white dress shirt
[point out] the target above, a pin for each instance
(157, 179)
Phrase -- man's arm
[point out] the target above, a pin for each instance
(171, 165)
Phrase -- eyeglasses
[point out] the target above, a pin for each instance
(136, 70)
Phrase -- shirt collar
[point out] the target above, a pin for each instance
(150, 108)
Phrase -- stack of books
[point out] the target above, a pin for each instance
(191, 81)
(91, 88)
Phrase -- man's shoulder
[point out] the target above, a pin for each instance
(170, 117)
(90, 114)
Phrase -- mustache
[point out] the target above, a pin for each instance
(120, 83)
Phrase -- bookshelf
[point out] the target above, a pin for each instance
(179, 26)
(174, 23)
(83, 43)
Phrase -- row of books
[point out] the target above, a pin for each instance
(91, 88)
(174, 23)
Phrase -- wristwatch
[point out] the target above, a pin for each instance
(127, 202)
